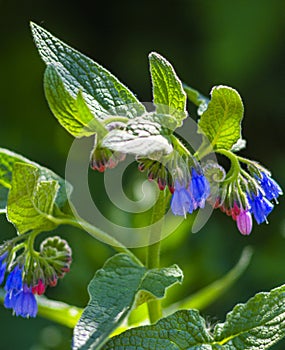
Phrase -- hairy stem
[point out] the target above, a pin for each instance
(235, 166)
(96, 233)
(153, 250)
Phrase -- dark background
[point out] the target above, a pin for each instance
(236, 43)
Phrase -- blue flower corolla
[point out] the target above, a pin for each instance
(181, 202)
(14, 279)
(10, 298)
(260, 207)
(25, 304)
(270, 187)
(3, 266)
(199, 187)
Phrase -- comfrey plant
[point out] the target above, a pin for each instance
(88, 101)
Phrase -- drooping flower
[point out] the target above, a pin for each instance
(270, 187)
(14, 279)
(25, 303)
(199, 187)
(181, 202)
(10, 298)
(244, 222)
(13, 286)
(260, 206)
(3, 266)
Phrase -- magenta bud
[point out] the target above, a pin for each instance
(244, 222)
(39, 289)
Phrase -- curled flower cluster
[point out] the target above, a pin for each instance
(157, 171)
(30, 274)
(247, 195)
(241, 194)
(103, 158)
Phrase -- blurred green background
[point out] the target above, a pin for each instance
(236, 43)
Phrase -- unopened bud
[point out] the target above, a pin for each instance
(244, 222)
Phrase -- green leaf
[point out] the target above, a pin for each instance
(102, 91)
(7, 161)
(182, 330)
(31, 201)
(140, 137)
(221, 122)
(113, 292)
(168, 94)
(72, 113)
(198, 99)
(255, 325)
(258, 324)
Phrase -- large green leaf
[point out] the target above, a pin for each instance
(221, 122)
(72, 113)
(7, 161)
(168, 94)
(31, 200)
(114, 291)
(184, 329)
(102, 91)
(256, 325)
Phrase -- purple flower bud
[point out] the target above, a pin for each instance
(25, 304)
(244, 222)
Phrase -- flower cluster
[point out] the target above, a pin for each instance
(103, 158)
(247, 194)
(157, 171)
(31, 272)
(241, 194)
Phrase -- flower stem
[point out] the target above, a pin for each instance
(96, 233)
(235, 166)
(153, 250)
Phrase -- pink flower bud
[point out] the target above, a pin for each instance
(244, 222)
(39, 288)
